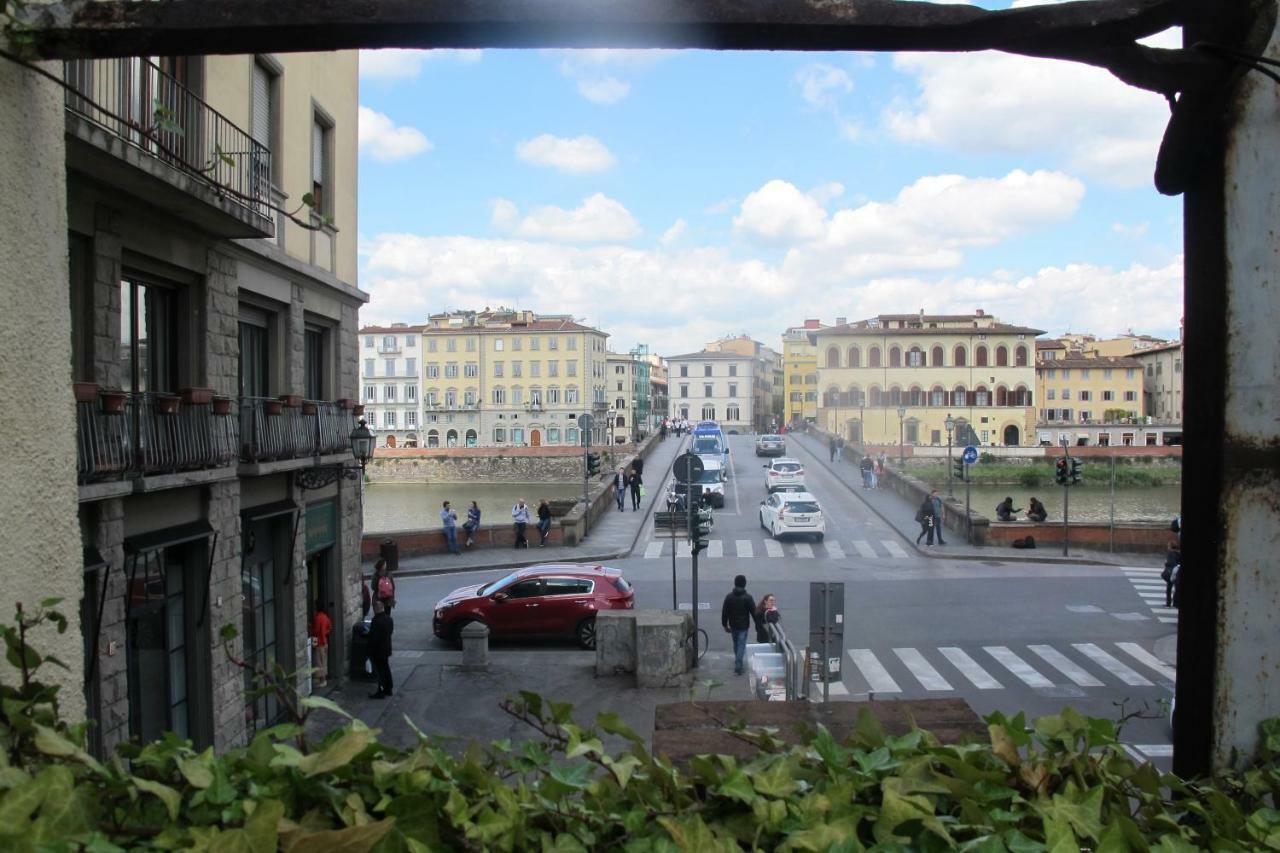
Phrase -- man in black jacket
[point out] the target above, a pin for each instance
(736, 615)
(380, 649)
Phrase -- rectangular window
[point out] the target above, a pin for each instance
(433, 371)
(321, 165)
(149, 332)
(389, 419)
(1066, 373)
(410, 367)
(370, 393)
(1130, 396)
(534, 344)
(684, 390)
(315, 376)
(1086, 416)
(733, 389)
(517, 344)
(1108, 396)
(469, 397)
(499, 396)
(368, 341)
(1128, 373)
(264, 127)
(411, 393)
(471, 370)
(517, 435)
(553, 368)
(1052, 395)
(411, 341)
(913, 428)
(684, 370)
(451, 345)
(571, 394)
(1085, 396)
(431, 345)
(255, 354)
(706, 390)
(553, 395)
(553, 342)
(1052, 373)
(471, 344)
(162, 638)
(1066, 393)
(571, 343)
(497, 345)
(706, 370)
(1106, 374)
(389, 393)
(517, 369)
(497, 370)
(499, 435)
(535, 369)
(1084, 373)
(411, 419)
(733, 370)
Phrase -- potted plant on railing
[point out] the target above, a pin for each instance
(112, 400)
(272, 407)
(345, 403)
(308, 407)
(167, 404)
(194, 396)
(293, 401)
(222, 405)
(86, 392)
(358, 409)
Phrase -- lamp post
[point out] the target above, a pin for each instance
(862, 421)
(950, 424)
(902, 453)
(362, 444)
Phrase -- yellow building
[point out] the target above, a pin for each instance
(800, 374)
(897, 377)
(1078, 389)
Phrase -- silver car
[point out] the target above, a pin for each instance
(771, 445)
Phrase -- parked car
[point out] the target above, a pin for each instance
(556, 599)
(784, 513)
(784, 471)
(771, 445)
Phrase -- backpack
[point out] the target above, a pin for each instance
(1025, 542)
(386, 589)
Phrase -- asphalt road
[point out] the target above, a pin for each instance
(1013, 637)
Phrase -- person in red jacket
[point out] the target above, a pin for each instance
(321, 627)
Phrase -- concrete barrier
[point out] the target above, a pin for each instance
(650, 643)
(1131, 537)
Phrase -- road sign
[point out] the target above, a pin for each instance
(688, 468)
(586, 422)
(970, 455)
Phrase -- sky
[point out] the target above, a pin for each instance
(671, 198)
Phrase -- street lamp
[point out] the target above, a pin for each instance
(319, 476)
(902, 453)
(362, 444)
(950, 424)
(862, 420)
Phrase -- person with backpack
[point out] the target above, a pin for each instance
(384, 587)
(472, 524)
(926, 517)
(520, 515)
(936, 500)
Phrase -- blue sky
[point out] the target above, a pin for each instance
(672, 197)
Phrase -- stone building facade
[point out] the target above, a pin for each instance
(714, 386)
(214, 364)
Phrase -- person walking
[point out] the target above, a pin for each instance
(766, 614)
(544, 522)
(926, 519)
(1172, 565)
(384, 586)
(840, 448)
(380, 649)
(321, 627)
(736, 615)
(520, 515)
(472, 524)
(936, 500)
(636, 483)
(866, 467)
(620, 487)
(831, 448)
(449, 519)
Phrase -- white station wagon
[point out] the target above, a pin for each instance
(785, 513)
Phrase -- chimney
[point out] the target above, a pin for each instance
(813, 324)
(979, 313)
(840, 321)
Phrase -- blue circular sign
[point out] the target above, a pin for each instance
(970, 455)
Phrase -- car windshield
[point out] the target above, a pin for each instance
(787, 467)
(497, 585)
(709, 444)
(709, 475)
(803, 506)
(771, 438)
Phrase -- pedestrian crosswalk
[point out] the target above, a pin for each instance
(1038, 666)
(830, 549)
(1151, 588)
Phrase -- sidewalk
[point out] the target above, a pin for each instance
(613, 536)
(899, 513)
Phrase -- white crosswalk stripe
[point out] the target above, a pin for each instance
(773, 548)
(876, 676)
(834, 551)
(864, 549)
(928, 677)
(715, 548)
(804, 550)
(1112, 665)
(683, 549)
(1066, 666)
(1147, 659)
(744, 548)
(894, 549)
(970, 668)
(1020, 668)
(653, 549)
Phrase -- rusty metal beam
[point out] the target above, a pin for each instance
(73, 29)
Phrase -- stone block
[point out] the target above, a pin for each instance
(662, 653)
(475, 646)
(616, 641)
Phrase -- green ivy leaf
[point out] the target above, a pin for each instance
(340, 753)
(172, 799)
(353, 839)
(198, 770)
(612, 724)
(320, 702)
(46, 603)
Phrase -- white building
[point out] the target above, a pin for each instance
(390, 379)
(620, 387)
(714, 386)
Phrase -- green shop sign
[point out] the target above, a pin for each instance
(322, 526)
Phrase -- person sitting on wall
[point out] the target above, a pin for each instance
(1005, 510)
(1036, 511)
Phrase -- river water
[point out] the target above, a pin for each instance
(415, 506)
(1088, 503)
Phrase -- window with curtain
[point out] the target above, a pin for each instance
(149, 333)
(315, 375)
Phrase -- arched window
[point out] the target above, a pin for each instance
(1021, 396)
(980, 356)
(856, 396)
(874, 396)
(895, 357)
(451, 438)
(833, 357)
(895, 395)
(1020, 356)
(1002, 395)
(915, 357)
(1002, 356)
(471, 438)
(937, 396)
(916, 396)
(959, 397)
(936, 357)
(433, 438)
(981, 397)
(873, 357)
(959, 359)
(855, 357)
(832, 397)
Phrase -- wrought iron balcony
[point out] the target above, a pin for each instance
(121, 436)
(140, 104)
(273, 431)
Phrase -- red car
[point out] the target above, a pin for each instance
(555, 599)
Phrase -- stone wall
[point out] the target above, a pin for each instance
(1148, 538)
(488, 465)
(225, 597)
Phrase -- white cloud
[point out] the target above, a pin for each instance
(578, 155)
(400, 63)
(826, 193)
(779, 213)
(821, 85)
(675, 232)
(608, 90)
(386, 142)
(1133, 232)
(988, 102)
(599, 219)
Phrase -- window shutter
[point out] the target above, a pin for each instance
(317, 153)
(260, 125)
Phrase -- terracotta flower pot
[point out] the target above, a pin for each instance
(293, 401)
(308, 408)
(167, 404)
(272, 407)
(358, 409)
(113, 401)
(222, 405)
(86, 392)
(197, 396)
(346, 403)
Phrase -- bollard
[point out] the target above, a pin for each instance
(389, 550)
(475, 646)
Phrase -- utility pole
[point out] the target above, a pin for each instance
(1066, 495)
(585, 424)
(1113, 504)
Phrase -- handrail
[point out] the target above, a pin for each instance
(797, 686)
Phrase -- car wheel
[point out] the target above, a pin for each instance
(820, 536)
(586, 633)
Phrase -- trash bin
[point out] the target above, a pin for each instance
(361, 668)
(389, 551)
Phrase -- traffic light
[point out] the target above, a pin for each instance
(701, 528)
(1061, 471)
(1076, 476)
(593, 464)
(958, 464)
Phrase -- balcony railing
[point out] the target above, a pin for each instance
(149, 434)
(273, 431)
(135, 101)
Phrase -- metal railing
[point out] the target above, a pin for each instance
(316, 428)
(797, 684)
(333, 427)
(150, 436)
(137, 102)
